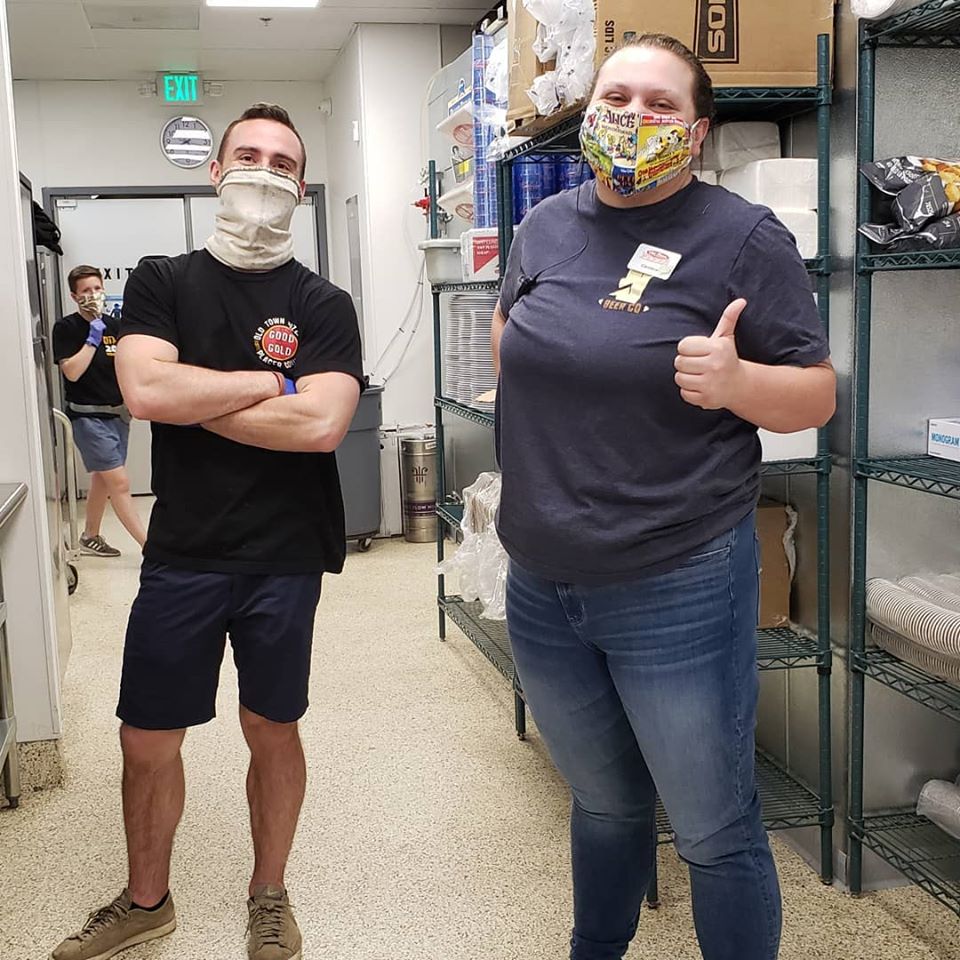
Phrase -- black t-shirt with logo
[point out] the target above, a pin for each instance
(227, 506)
(98, 385)
(608, 474)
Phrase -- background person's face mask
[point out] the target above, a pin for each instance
(253, 220)
(634, 152)
(93, 303)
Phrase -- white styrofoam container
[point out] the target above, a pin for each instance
(803, 225)
(788, 446)
(458, 202)
(443, 260)
(459, 128)
(943, 439)
(480, 252)
(788, 183)
(734, 144)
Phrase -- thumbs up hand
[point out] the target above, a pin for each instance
(709, 370)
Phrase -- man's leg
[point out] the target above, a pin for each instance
(153, 793)
(271, 629)
(96, 504)
(117, 485)
(276, 782)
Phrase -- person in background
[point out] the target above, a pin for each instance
(647, 325)
(84, 345)
(249, 367)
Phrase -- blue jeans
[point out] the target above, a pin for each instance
(651, 687)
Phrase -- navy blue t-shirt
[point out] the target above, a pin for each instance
(608, 474)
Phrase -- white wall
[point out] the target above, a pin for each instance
(392, 99)
(346, 176)
(27, 577)
(103, 134)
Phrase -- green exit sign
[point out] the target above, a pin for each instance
(180, 88)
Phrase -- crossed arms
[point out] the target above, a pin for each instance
(243, 406)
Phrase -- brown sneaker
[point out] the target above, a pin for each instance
(114, 928)
(272, 932)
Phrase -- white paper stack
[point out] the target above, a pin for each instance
(783, 184)
(788, 446)
(734, 144)
(803, 225)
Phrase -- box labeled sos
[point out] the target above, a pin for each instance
(943, 439)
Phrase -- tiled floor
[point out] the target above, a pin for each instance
(429, 832)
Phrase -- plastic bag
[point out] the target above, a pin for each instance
(940, 235)
(926, 202)
(876, 9)
(480, 562)
(940, 802)
(895, 174)
(544, 94)
(565, 33)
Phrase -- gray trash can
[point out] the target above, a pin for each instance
(418, 488)
(358, 460)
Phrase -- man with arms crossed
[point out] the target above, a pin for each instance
(249, 366)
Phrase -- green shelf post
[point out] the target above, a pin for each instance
(861, 417)
(824, 671)
(438, 388)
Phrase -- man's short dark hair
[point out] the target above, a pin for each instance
(264, 111)
(78, 273)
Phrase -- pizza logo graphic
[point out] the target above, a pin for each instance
(276, 342)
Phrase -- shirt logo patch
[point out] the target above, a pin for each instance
(276, 342)
(628, 295)
(109, 345)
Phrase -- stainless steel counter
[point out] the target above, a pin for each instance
(11, 496)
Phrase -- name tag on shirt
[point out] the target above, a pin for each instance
(654, 262)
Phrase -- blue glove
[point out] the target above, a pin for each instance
(95, 336)
(289, 386)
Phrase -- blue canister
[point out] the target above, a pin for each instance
(528, 187)
(572, 171)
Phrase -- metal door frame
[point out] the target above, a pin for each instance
(317, 191)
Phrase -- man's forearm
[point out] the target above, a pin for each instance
(76, 366)
(177, 393)
(785, 399)
(289, 423)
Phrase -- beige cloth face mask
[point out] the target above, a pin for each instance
(253, 221)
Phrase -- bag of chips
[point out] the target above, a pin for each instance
(893, 175)
(940, 235)
(926, 194)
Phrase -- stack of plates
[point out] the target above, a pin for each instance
(468, 363)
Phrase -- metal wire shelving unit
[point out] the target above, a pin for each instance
(787, 801)
(908, 842)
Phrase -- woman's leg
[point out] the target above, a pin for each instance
(118, 487)
(681, 649)
(96, 504)
(579, 714)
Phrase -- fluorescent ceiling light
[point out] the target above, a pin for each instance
(265, 4)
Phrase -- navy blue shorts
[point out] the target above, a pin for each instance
(102, 442)
(176, 636)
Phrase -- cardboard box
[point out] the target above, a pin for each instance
(943, 439)
(772, 523)
(743, 43)
(480, 250)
